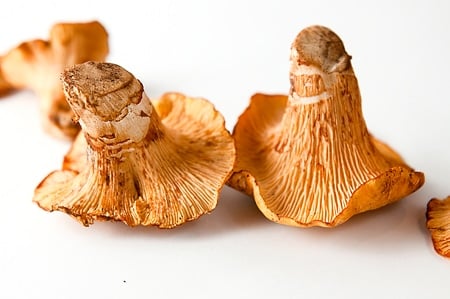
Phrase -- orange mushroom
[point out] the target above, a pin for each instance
(438, 223)
(142, 164)
(37, 65)
(307, 158)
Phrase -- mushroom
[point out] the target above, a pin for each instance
(37, 65)
(438, 223)
(142, 164)
(307, 158)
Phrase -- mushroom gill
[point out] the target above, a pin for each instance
(134, 162)
(307, 158)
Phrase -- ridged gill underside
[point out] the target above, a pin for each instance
(308, 161)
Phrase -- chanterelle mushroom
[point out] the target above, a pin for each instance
(157, 165)
(307, 158)
(38, 64)
(438, 223)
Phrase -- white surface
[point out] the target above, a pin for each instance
(226, 51)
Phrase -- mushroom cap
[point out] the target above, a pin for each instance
(308, 158)
(438, 224)
(37, 65)
(173, 175)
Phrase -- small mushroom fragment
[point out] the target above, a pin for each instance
(134, 162)
(5, 87)
(438, 223)
(37, 65)
(307, 158)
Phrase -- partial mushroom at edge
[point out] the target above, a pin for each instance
(37, 65)
(438, 224)
(307, 158)
(142, 164)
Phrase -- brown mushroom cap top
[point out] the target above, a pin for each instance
(307, 158)
(157, 165)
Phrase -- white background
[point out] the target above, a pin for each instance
(225, 51)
